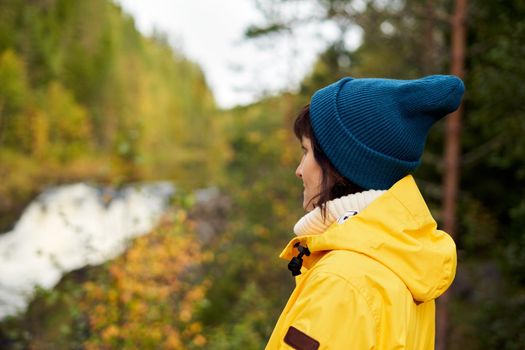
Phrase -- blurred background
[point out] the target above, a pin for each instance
(147, 162)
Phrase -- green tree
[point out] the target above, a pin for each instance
(14, 92)
(67, 124)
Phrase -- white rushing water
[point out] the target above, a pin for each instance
(69, 227)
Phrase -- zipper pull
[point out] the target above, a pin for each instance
(297, 261)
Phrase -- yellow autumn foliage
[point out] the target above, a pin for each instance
(147, 302)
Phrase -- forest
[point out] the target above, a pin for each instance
(84, 96)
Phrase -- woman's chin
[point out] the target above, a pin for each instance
(308, 207)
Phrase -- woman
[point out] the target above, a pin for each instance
(368, 255)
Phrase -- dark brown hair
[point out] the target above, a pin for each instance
(333, 184)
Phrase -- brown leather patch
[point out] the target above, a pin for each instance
(300, 341)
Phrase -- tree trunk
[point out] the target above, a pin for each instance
(452, 156)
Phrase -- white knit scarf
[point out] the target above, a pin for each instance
(313, 224)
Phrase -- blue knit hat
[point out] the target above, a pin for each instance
(374, 130)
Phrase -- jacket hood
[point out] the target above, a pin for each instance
(398, 231)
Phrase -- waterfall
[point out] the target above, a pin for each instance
(69, 227)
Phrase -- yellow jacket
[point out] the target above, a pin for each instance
(370, 281)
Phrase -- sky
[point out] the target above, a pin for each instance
(211, 32)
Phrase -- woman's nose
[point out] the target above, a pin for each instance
(299, 170)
